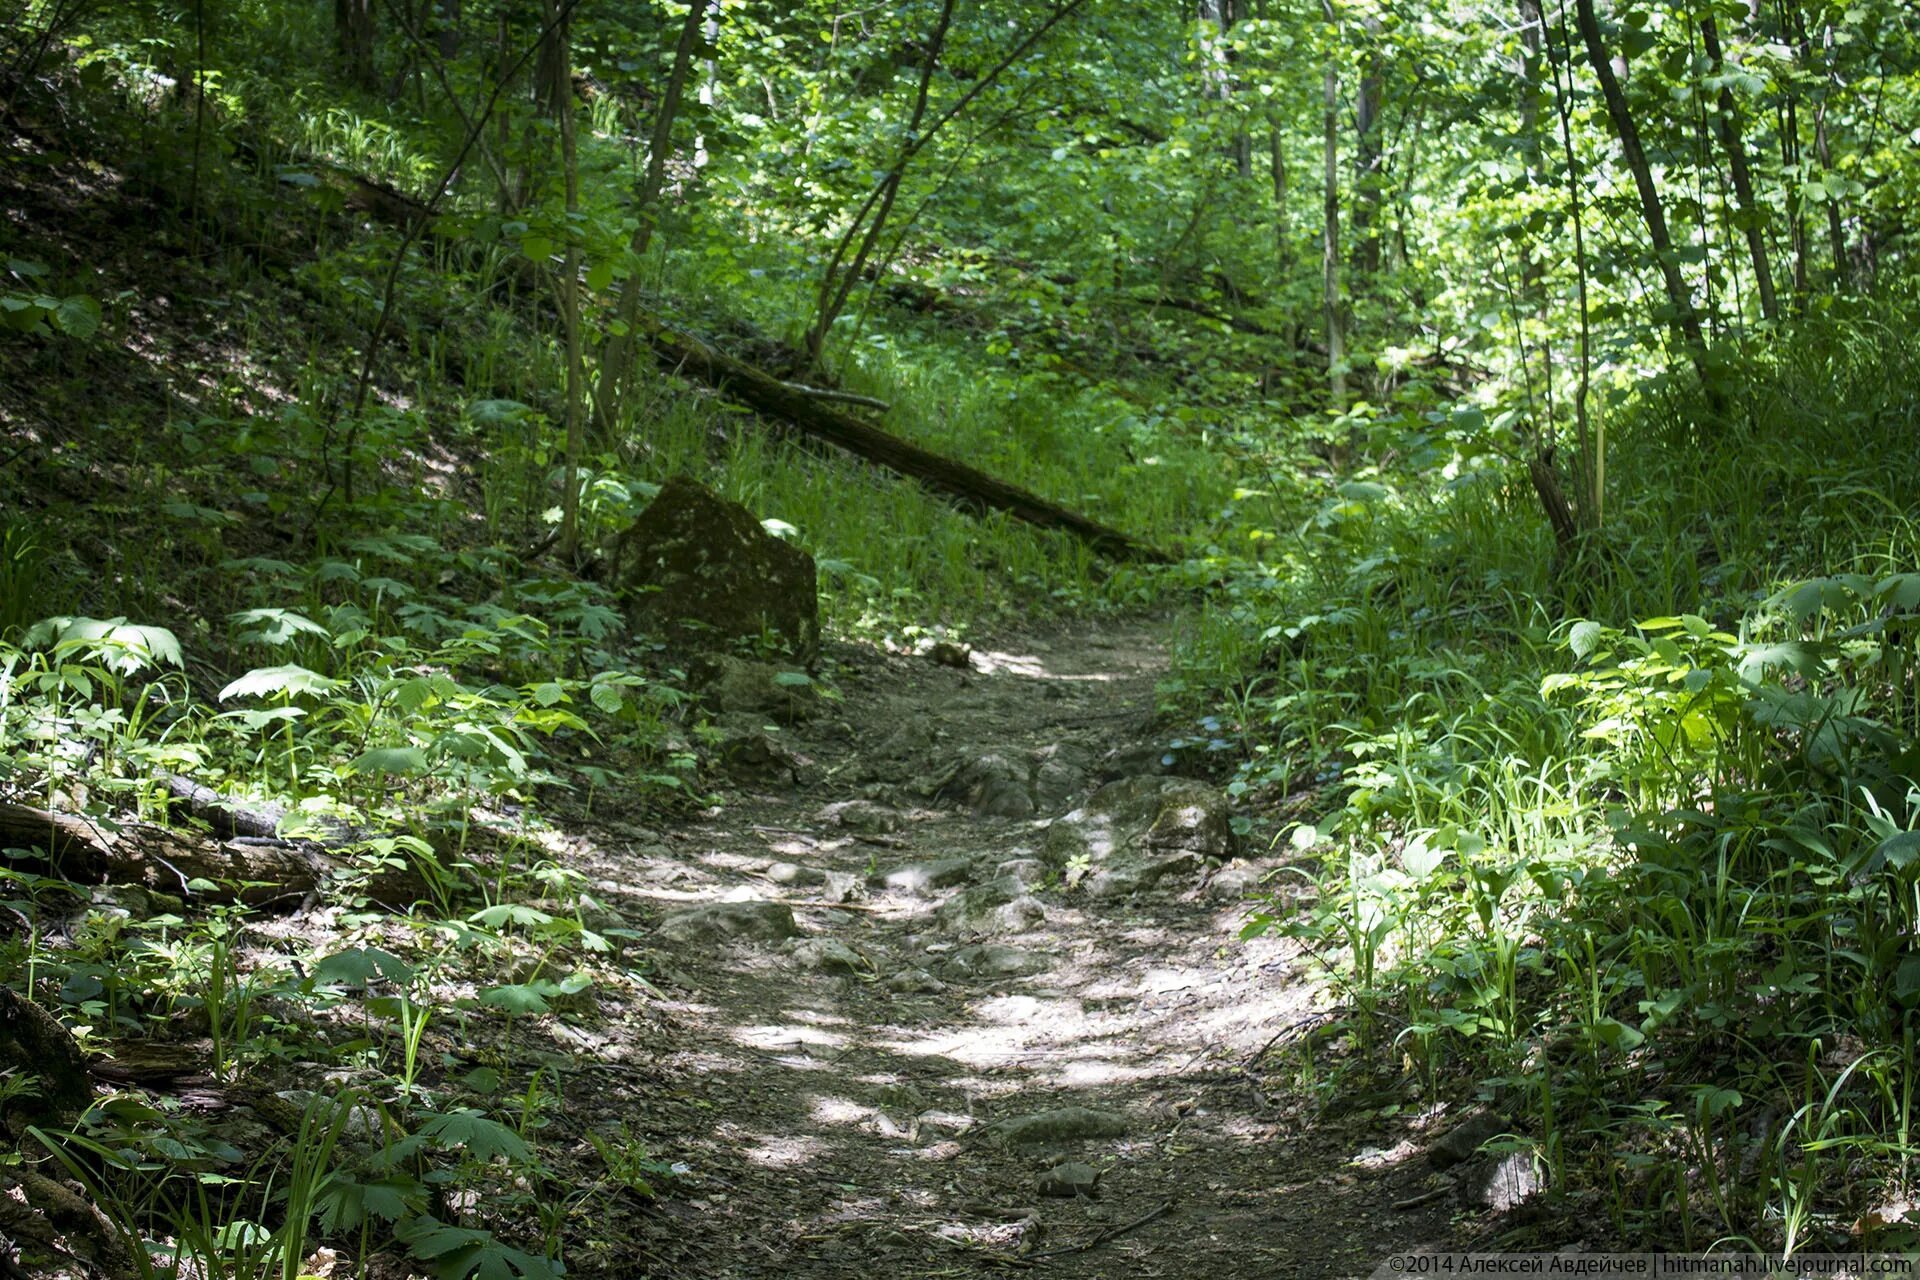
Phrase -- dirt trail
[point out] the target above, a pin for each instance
(841, 1123)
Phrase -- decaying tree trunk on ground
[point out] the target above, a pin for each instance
(259, 871)
(33, 1041)
(807, 413)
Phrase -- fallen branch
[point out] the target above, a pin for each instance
(1111, 1233)
(259, 871)
(847, 397)
(971, 489)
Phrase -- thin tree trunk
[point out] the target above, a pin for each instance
(835, 290)
(1330, 242)
(837, 281)
(1367, 162)
(617, 359)
(1727, 123)
(1592, 437)
(353, 36)
(1686, 320)
(561, 70)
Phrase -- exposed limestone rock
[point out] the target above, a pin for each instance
(733, 689)
(987, 960)
(703, 571)
(925, 878)
(1062, 1124)
(863, 816)
(997, 906)
(1500, 1182)
(1133, 833)
(829, 955)
(749, 921)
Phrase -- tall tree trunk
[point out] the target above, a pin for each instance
(870, 219)
(1222, 14)
(1686, 320)
(1533, 25)
(617, 360)
(1367, 161)
(1330, 242)
(353, 37)
(559, 67)
(446, 27)
(1727, 123)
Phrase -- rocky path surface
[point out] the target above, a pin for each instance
(953, 984)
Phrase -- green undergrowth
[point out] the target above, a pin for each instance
(1623, 840)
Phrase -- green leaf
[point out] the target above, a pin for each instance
(276, 626)
(400, 760)
(77, 316)
(287, 682)
(496, 413)
(482, 1138)
(599, 276)
(1422, 859)
(1585, 637)
(358, 966)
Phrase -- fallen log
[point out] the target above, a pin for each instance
(805, 409)
(256, 870)
(969, 488)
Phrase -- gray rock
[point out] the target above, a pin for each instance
(1502, 1182)
(1060, 776)
(863, 816)
(912, 982)
(1133, 833)
(827, 955)
(1463, 1141)
(730, 922)
(1235, 881)
(1030, 872)
(744, 744)
(994, 960)
(1071, 1179)
(1062, 1124)
(735, 689)
(992, 785)
(925, 878)
(703, 571)
(950, 653)
(792, 873)
(996, 906)
(362, 1124)
(843, 886)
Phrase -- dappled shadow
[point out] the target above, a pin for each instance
(844, 1122)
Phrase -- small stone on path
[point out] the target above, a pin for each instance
(1062, 1124)
(1066, 1181)
(730, 921)
(829, 955)
(995, 960)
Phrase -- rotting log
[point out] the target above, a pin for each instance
(34, 1042)
(259, 871)
(969, 488)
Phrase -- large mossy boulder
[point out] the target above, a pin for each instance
(1133, 833)
(701, 571)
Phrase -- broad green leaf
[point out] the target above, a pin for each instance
(286, 682)
(403, 760)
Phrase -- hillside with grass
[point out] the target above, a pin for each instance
(727, 640)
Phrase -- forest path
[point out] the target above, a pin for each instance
(840, 1123)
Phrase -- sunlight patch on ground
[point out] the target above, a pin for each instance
(995, 662)
(784, 1151)
(773, 1037)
